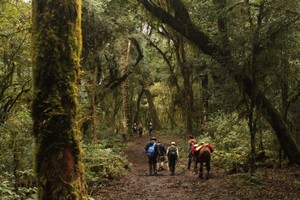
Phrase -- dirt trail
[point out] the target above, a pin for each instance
(138, 185)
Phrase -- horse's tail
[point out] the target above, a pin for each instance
(206, 154)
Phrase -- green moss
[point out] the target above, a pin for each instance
(56, 47)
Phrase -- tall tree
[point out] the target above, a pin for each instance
(187, 91)
(56, 49)
(125, 93)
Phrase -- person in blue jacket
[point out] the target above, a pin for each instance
(152, 152)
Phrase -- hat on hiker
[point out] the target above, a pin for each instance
(153, 138)
(173, 143)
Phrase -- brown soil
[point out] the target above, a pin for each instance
(138, 185)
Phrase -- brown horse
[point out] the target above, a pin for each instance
(203, 156)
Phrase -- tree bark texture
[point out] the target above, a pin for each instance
(136, 117)
(185, 27)
(94, 102)
(187, 89)
(152, 109)
(125, 90)
(56, 48)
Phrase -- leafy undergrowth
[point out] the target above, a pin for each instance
(103, 165)
(23, 188)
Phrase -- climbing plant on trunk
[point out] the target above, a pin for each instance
(56, 48)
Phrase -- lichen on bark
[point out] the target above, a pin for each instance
(56, 47)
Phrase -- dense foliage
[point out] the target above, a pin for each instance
(190, 91)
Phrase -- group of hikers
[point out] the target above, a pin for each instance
(138, 129)
(158, 154)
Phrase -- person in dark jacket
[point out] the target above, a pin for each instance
(173, 156)
(134, 128)
(152, 159)
(161, 155)
(150, 128)
(191, 143)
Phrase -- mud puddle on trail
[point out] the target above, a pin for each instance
(138, 185)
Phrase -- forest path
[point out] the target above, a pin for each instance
(138, 185)
(276, 184)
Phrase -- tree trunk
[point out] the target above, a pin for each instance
(152, 109)
(138, 106)
(125, 95)
(187, 99)
(187, 92)
(252, 130)
(56, 43)
(185, 27)
(94, 110)
(204, 120)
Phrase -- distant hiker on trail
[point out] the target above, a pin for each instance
(150, 128)
(152, 153)
(161, 155)
(134, 128)
(173, 156)
(140, 130)
(191, 143)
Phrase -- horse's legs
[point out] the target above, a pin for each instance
(190, 159)
(207, 169)
(201, 170)
(195, 167)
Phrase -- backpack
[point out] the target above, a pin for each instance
(172, 153)
(151, 150)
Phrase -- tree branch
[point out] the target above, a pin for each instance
(189, 30)
(114, 83)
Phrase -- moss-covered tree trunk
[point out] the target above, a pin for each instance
(152, 109)
(125, 91)
(56, 47)
(187, 91)
(138, 106)
(94, 109)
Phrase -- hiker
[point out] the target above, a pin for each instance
(173, 156)
(191, 143)
(140, 130)
(152, 153)
(134, 128)
(161, 155)
(150, 128)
